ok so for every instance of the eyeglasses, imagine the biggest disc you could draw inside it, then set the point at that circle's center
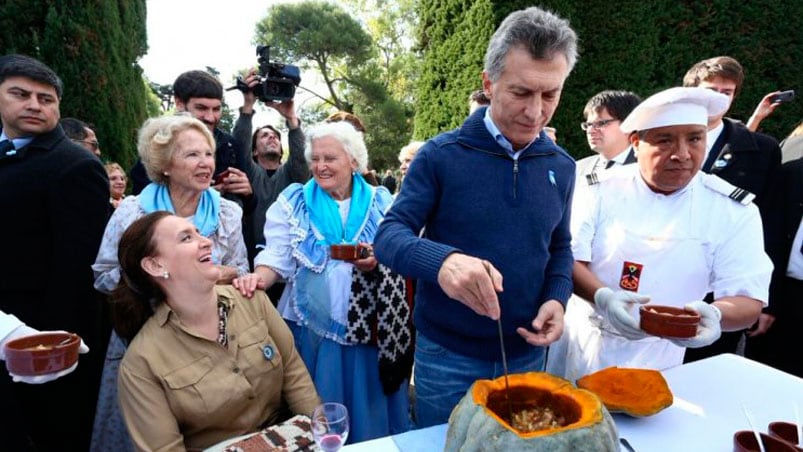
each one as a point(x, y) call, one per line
point(93, 144)
point(596, 124)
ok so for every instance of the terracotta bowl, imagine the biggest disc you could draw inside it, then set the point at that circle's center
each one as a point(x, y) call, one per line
point(786, 431)
point(349, 252)
point(42, 353)
point(745, 441)
point(668, 321)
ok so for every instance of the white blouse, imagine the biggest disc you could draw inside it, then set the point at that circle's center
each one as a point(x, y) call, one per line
point(228, 245)
point(278, 255)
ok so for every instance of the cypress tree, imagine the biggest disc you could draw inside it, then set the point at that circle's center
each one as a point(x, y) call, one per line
point(637, 46)
point(94, 47)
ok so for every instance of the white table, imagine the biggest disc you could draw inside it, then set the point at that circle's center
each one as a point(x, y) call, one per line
point(707, 410)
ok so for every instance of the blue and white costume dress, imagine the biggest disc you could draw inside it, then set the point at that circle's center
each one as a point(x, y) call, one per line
point(331, 309)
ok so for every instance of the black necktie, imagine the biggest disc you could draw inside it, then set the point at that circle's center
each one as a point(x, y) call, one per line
point(6, 146)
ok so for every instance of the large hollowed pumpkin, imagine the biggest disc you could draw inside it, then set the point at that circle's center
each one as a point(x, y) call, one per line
point(481, 421)
point(637, 392)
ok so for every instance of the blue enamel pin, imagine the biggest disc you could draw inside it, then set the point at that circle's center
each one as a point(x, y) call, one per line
point(552, 178)
point(267, 352)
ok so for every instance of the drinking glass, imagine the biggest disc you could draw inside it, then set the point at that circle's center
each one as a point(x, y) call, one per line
point(330, 426)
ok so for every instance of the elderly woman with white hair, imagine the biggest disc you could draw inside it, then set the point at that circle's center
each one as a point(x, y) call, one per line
point(349, 317)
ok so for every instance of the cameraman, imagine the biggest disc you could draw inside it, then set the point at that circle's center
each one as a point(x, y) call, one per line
point(261, 156)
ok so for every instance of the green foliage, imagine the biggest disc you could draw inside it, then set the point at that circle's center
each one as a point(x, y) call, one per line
point(637, 46)
point(387, 121)
point(94, 47)
point(164, 93)
point(226, 123)
point(316, 34)
point(454, 35)
point(385, 94)
point(368, 73)
point(153, 100)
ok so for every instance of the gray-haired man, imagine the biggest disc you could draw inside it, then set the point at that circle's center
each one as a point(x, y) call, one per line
point(494, 196)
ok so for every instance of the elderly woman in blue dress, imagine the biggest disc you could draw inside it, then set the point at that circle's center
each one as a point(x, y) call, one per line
point(179, 156)
point(350, 319)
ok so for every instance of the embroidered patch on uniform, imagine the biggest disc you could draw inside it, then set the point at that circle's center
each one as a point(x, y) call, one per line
point(631, 275)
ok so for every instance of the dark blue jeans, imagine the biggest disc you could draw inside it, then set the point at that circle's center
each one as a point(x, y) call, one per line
point(442, 377)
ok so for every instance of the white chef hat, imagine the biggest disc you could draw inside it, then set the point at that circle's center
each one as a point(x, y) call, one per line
point(676, 106)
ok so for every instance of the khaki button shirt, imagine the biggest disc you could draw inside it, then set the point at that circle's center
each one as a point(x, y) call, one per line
point(179, 390)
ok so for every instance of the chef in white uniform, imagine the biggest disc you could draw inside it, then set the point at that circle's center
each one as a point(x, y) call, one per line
point(661, 232)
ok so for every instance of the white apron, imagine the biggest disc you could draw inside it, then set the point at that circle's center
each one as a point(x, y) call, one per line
point(675, 271)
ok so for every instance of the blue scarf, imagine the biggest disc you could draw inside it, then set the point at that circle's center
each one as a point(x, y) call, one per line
point(325, 215)
point(207, 215)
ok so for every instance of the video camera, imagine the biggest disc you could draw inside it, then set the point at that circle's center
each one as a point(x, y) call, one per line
point(277, 81)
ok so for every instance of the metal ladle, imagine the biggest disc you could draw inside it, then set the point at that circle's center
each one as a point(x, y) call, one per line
point(504, 367)
point(487, 266)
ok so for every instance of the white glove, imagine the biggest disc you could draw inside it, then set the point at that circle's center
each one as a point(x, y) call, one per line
point(25, 330)
point(39, 379)
point(617, 307)
point(20, 331)
point(709, 329)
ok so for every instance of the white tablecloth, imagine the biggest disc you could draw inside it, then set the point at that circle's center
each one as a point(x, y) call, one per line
point(707, 410)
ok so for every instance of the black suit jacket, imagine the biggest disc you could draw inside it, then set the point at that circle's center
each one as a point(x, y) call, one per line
point(789, 201)
point(752, 161)
point(54, 196)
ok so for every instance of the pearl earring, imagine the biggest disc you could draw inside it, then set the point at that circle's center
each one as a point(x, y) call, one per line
point(166, 173)
point(165, 275)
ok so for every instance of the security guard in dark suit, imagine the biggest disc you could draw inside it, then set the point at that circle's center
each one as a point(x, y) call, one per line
point(54, 196)
point(748, 160)
point(787, 279)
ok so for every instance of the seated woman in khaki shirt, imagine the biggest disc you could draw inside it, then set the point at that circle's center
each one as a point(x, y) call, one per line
point(204, 364)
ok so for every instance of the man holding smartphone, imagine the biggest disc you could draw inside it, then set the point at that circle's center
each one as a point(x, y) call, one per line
point(767, 106)
point(750, 161)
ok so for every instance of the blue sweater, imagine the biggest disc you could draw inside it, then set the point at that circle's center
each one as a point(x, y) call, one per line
point(473, 198)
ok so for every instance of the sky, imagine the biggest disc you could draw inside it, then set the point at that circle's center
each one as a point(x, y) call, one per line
point(193, 34)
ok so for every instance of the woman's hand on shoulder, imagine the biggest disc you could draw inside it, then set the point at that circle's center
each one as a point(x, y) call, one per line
point(248, 283)
point(262, 278)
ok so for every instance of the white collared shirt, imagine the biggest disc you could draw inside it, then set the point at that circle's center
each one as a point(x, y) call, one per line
point(19, 142)
point(500, 139)
point(711, 138)
point(795, 267)
point(618, 159)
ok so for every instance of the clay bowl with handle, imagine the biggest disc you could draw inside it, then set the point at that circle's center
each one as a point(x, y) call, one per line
point(43, 353)
point(668, 321)
point(745, 441)
point(347, 252)
point(786, 431)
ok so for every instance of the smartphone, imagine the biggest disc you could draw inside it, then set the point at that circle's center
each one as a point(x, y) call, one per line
point(219, 178)
point(783, 96)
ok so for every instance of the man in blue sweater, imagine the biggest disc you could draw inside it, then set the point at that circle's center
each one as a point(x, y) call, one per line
point(494, 199)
